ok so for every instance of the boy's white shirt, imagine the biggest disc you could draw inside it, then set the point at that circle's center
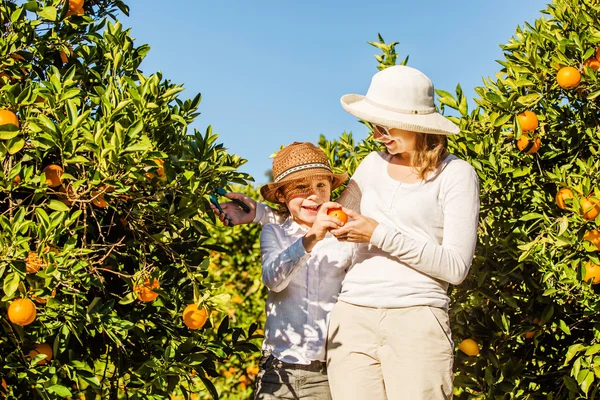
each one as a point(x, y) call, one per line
point(303, 287)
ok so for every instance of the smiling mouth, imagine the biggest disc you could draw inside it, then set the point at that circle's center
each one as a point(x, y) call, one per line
point(312, 208)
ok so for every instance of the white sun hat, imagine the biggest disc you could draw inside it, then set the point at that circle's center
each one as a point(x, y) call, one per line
point(400, 97)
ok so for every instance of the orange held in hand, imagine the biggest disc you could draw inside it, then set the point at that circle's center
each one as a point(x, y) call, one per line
point(339, 214)
point(562, 195)
point(22, 312)
point(568, 77)
point(8, 118)
point(469, 347)
point(528, 121)
point(194, 317)
point(43, 348)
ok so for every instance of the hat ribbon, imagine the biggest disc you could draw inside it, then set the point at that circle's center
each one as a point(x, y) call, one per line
point(301, 168)
point(430, 110)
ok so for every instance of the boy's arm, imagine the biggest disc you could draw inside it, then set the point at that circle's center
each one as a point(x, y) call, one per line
point(279, 264)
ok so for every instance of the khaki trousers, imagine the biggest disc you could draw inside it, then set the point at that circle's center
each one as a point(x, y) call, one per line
point(395, 353)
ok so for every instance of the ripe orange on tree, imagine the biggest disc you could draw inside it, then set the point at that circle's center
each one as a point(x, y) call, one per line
point(194, 317)
point(528, 121)
point(469, 347)
point(592, 63)
point(339, 214)
point(160, 170)
point(22, 312)
point(592, 272)
point(75, 7)
point(593, 236)
point(589, 208)
point(53, 174)
point(530, 147)
point(568, 77)
point(562, 195)
point(8, 118)
point(145, 292)
point(41, 348)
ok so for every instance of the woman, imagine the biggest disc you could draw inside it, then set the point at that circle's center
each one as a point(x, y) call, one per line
point(414, 211)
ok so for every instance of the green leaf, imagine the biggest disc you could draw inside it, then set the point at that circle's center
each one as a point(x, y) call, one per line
point(15, 145)
point(48, 13)
point(58, 205)
point(60, 390)
point(8, 134)
point(11, 284)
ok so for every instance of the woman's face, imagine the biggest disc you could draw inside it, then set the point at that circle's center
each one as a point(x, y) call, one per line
point(399, 141)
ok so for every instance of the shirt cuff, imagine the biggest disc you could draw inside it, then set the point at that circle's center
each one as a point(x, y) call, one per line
point(297, 251)
point(260, 212)
point(380, 233)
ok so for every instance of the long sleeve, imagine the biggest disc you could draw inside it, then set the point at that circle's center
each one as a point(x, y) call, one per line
point(266, 215)
point(279, 264)
point(450, 261)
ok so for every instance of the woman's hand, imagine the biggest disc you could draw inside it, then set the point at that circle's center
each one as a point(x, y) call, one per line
point(358, 230)
point(234, 211)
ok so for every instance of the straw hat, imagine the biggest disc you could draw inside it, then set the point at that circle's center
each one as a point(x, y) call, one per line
point(296, 161)
point(400, 97)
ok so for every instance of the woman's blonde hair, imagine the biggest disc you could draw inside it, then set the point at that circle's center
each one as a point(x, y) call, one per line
point(430, 151)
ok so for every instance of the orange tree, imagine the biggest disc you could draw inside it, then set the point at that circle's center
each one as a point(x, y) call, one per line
point(103, 240)
point(527, 319)
point(237, 273)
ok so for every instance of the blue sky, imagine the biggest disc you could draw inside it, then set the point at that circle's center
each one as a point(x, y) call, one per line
point(272, 72)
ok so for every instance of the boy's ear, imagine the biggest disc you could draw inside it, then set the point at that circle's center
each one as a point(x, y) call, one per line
point(279, 196)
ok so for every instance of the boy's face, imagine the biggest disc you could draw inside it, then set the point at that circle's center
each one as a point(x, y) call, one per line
point(304, 198)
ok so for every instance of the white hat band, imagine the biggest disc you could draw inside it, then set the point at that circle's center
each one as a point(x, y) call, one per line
point(301, 168)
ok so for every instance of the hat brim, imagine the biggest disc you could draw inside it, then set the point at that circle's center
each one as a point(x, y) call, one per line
point(269, 190)
point(435, 122)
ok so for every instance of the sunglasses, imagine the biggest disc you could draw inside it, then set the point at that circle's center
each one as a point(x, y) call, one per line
point(381, 130)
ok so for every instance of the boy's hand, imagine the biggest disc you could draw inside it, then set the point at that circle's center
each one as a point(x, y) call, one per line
point(235, 212)
point(321, 226)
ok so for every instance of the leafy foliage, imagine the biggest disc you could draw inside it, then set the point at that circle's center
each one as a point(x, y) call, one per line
point(128, 208)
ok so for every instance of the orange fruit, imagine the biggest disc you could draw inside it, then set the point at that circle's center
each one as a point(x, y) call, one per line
point(75, 7)
point(593, 236)
point(16, 180)
point(562, 195)
point(339, 214)
point(528, 121)
point(33, 263)
point(252, 370)
point(469, 347)
point(524, 144)
point(53, 174)
point(98, 195)
point(8, 118)
point(592, 272)
point(43, 348)
point(160, 170)
point(145, 292)
point(568, 77)
point(589, 208)
point(194, 317)
point(22, 312)
point(592, 63)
